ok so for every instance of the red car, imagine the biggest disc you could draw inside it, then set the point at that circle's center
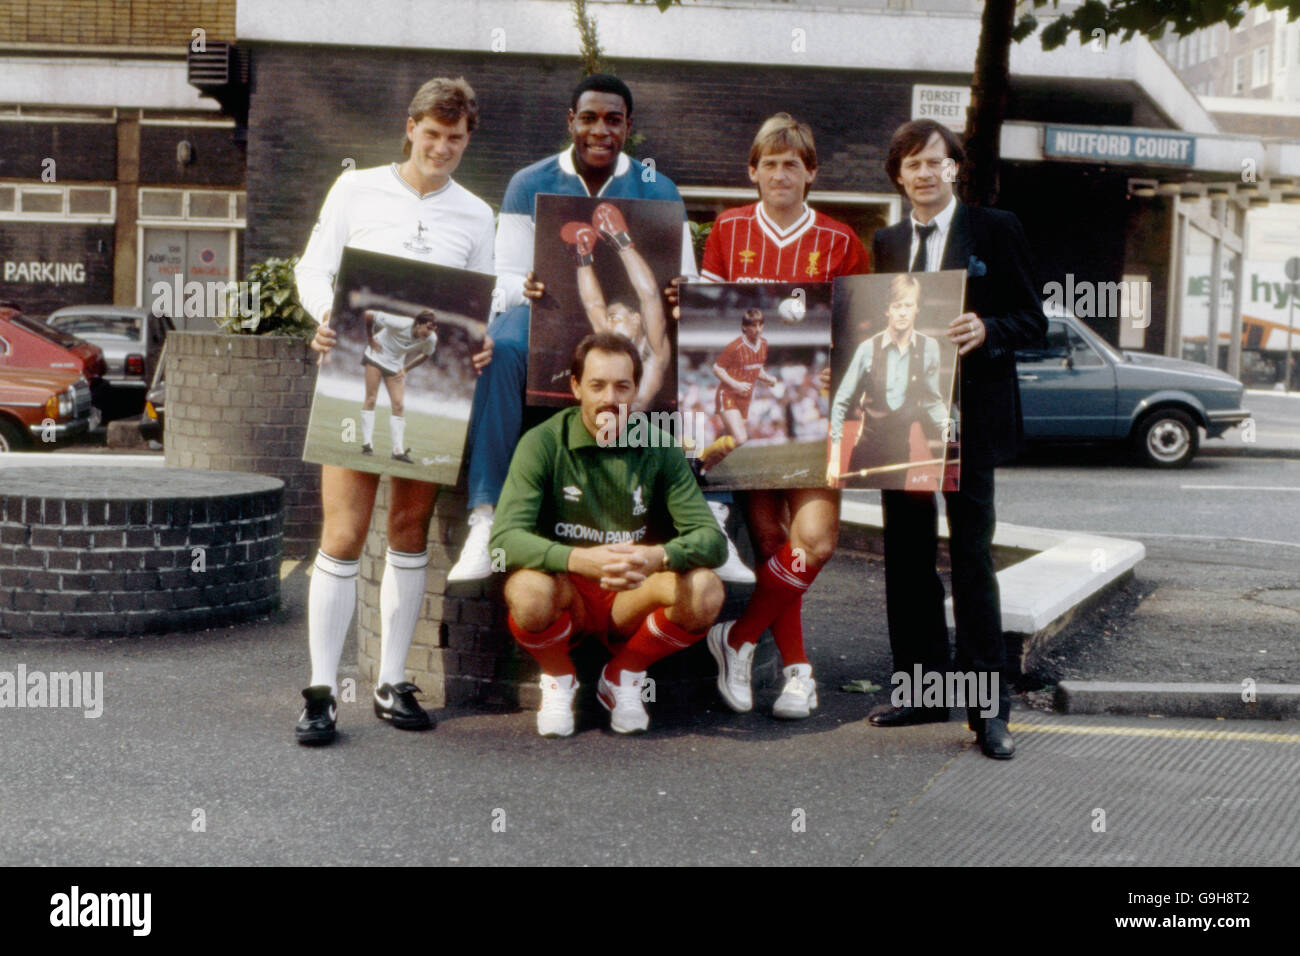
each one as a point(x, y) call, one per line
point(27, 343)
point(40, 407)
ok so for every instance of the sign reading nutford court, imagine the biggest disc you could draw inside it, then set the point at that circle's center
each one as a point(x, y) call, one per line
point(1111, 145)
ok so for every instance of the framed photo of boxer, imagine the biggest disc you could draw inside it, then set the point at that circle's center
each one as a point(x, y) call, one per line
point(894, 420)
point(605, 264)
point(750, 356)
point(394, 395)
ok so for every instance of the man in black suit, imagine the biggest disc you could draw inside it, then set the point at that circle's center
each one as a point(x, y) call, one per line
point(1004, 313)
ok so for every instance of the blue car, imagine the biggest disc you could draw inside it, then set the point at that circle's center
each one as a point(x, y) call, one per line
point(1080, 388)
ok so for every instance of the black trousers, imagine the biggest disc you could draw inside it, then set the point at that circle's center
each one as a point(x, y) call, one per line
point(918, 632)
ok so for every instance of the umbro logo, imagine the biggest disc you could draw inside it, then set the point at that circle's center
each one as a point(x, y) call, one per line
point(572, 492)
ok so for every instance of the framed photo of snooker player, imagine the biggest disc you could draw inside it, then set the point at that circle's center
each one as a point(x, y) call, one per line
point(394, 395)
point(605, 264)
point(894, 421)
point(750, 356)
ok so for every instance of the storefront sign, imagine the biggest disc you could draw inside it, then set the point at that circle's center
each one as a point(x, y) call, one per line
point(1112, 145)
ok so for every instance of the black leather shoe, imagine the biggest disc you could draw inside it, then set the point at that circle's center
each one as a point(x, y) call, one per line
point(995, 740)
point(367, 450)
point(396, 704)
point(891, 716)
point(315, 727)
point(403, 456)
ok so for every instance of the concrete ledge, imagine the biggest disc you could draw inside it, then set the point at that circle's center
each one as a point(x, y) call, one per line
point(1272, 701)
point(1067, 569)
point(45, 459)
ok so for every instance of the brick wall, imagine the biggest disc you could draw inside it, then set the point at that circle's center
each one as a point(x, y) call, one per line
point(115, 22)
point(96, 552)
point(293, 156)
point(241, 403)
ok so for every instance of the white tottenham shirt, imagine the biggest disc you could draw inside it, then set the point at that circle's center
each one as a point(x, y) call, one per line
point(394, 334)
point(377, 211)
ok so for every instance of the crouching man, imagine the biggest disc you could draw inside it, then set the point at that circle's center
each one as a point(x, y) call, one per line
point(604, 539)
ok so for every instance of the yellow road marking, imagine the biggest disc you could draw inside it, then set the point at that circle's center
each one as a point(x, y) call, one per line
point(1169, 732)
point(287, 567)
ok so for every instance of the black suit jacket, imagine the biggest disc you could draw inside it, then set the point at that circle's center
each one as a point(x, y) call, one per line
point(990, 245)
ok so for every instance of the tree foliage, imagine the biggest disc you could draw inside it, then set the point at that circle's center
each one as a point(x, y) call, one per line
point(1126, 19)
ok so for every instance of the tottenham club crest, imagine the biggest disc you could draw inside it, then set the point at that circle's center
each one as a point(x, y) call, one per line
point(638, 506)
point(416, 243)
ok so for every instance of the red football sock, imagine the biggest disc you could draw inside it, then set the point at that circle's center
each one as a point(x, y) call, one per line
point(550, 648)
point(779, 584)
point(787, 631)
point(655, 639)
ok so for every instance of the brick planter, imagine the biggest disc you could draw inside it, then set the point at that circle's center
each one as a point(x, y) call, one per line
point(92, 551)
point(463, 653)
point(241, 403)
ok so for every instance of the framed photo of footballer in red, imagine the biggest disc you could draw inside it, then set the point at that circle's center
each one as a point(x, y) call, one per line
point(894, 421)
point(750, 357)
point(605, 264)
point(394, 395)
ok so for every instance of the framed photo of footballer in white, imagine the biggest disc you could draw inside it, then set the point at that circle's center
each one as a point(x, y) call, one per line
point(750, 356)
point(395, 393)
point(894, 421)
point(605, 264)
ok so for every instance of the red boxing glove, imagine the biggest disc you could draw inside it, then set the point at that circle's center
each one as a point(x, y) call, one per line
point(581, 236)
point(609, 220)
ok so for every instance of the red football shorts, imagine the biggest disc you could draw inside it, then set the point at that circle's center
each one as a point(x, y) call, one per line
point(726, 398)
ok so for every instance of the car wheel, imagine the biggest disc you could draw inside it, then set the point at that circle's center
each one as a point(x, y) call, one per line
point(11, 437)
point(1167, 438)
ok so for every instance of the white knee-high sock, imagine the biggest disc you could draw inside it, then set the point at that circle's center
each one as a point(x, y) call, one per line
point(331, 599)
point(397, 424)
point(401, 594)
point(367, 426)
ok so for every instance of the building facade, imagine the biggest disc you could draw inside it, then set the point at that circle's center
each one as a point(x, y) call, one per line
point(115, 174)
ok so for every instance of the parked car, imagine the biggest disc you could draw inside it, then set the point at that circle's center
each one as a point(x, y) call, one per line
point(27, 343)
point(131, 340)
point(1080, 388)
point(152, 418)
point(36, 403)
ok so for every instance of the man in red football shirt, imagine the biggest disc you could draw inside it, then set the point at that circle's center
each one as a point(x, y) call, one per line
point(739, 368)
point(780, 239)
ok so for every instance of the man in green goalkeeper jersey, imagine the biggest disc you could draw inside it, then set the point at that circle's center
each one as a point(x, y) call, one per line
point(604, 539)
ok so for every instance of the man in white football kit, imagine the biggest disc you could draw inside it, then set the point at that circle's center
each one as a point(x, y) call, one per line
point(415, 210)
point(393, 340)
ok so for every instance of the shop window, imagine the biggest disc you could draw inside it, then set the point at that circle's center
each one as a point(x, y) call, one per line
point(94, 201)
point(41, 201)
point(162, 204)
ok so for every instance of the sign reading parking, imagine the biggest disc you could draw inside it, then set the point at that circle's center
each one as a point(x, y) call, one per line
point(943, 104)
point(1111, 145)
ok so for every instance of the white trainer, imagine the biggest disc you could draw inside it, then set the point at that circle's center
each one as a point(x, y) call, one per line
point(627, 714)
point(475, 562)
point(733, 571)
point(734, 668)
point(799, 695)
point(555, 716)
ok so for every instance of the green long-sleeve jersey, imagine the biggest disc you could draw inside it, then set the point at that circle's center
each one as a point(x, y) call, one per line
point(565, 491)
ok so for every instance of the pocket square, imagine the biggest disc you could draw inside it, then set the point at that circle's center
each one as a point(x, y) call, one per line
point(976, 267)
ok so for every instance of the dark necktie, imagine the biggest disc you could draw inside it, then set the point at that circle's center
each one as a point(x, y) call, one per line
point(922, 234)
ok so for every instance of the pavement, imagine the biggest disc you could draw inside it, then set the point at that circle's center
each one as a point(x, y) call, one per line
point(196, 731)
